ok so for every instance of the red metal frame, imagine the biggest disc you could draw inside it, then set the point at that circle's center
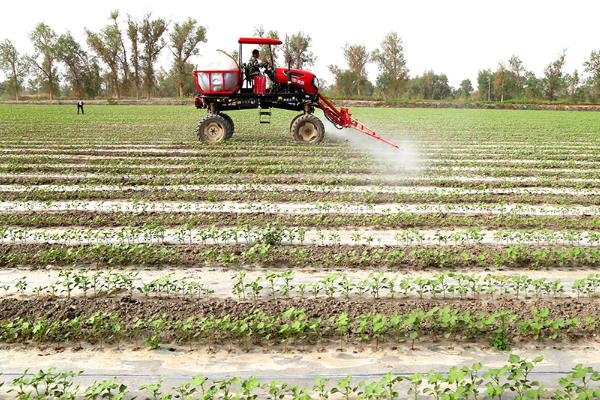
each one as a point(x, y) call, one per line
point(343, 118)
point(222, 72)
point(245, 40)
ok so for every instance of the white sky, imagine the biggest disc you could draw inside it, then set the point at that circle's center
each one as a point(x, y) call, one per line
point(457, 37)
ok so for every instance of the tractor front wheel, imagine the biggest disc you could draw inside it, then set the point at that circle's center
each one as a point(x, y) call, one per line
point(294, 120)
point(308, 129)
point(228, 118)
point(214, 128)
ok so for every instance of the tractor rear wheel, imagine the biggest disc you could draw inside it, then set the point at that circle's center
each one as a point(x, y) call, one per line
point(214, 128)
point(308, 129)
point(228, 118)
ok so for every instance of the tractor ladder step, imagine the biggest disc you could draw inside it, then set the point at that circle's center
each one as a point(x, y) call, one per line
point(264, 117)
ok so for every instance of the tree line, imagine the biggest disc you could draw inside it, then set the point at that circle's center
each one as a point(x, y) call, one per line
point(120, 60)
point(509, 81)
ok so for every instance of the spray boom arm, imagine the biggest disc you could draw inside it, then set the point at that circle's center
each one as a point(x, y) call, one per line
point(341, 118)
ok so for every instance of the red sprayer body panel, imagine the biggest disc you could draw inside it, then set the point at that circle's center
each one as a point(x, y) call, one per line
point(343, 119)
point(300, 78)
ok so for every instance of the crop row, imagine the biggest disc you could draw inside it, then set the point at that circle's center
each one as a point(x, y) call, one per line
point(559, 155)
point(281, 167)
point(430, 145)
point(500, 329)
point(483, 195)
point(266, 255)
point(165, 141)
point(394, 210)
point(274, 235)
point(315, 190)
point(324, 219)
point(443, 284)
point(174, 161)
point(513, 379)
point(102, 283)
point(303, 176)
point(285, 284)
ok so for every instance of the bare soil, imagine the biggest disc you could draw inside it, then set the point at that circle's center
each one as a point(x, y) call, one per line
point(130, 309)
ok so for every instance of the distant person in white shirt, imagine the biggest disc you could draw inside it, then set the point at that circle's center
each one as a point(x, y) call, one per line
point(80, 104)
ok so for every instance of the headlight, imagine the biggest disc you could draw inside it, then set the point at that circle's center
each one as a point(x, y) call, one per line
point(315, 82)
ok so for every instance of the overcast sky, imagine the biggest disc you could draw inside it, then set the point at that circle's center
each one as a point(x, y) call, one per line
point(457, 37)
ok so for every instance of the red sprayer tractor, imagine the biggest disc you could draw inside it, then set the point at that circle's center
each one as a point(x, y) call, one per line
point(232, 86)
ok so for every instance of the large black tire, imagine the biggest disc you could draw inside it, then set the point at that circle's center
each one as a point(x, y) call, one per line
point(214, 128)
point(308, 129)
point(294, 120)
point(228, 118)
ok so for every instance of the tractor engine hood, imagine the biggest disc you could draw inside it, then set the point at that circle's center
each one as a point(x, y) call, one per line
point(303, 79)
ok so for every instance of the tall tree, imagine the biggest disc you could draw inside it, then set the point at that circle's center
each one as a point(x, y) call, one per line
point(184, 40)
point(43, 60)
point(357, 58)
point(77, 62)
point(573, 88)
point(261, 32)
point(133, 33)
point(122, 53)
point(391, 62)
point(13, 65)
point(430, 86)
point(533, 87)
point(554, 77)
point(592, 67)
point(344, 81)
point(466, 88)
point(518, 70)
point(107, 45)
point(484, 84)
point(499, 81)
point(296, 51)
point(151, 37)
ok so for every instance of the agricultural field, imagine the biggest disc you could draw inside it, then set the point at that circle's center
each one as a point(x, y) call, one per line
point(464, 266)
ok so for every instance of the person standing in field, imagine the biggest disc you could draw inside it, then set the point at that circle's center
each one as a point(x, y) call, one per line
point(80, 104)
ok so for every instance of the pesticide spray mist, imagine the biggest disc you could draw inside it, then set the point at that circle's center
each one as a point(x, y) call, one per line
point(395, 162)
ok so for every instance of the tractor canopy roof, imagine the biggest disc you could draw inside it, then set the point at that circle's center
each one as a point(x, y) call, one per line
point(245, 40)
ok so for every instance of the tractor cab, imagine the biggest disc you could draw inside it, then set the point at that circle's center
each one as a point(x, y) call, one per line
point(257, 83)
point(231, 76)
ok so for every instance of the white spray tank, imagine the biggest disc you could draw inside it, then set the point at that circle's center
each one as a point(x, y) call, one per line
point(220, 74)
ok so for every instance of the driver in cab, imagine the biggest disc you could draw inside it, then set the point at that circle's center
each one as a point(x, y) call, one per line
point(254, 64)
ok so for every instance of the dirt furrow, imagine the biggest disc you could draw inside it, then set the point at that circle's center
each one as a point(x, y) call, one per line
point(130, 309)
